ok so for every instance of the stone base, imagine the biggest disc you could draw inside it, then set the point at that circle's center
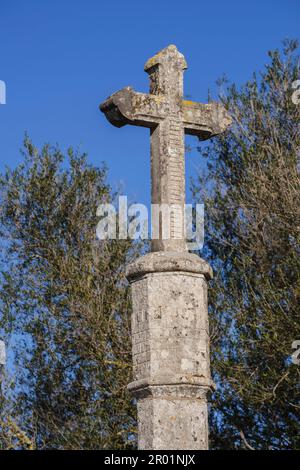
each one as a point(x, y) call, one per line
point(172, 417)
point(170, 346)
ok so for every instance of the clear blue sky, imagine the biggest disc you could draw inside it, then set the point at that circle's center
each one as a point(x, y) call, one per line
point(60, 59)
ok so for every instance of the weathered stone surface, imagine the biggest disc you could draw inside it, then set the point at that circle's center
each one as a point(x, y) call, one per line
point(170, 339)
point(168, 261)
point(170, 347)
point(172, 417)
point(169, 117)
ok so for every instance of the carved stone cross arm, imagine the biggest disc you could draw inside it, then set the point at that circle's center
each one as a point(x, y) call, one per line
point(169, 117)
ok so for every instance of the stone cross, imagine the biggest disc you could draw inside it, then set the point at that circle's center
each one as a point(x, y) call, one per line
point(169, 117)
point(170, 337)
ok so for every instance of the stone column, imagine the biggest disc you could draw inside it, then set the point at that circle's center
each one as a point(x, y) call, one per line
point(170, 347)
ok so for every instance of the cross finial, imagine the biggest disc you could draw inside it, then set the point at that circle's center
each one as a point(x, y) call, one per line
point(169, 117)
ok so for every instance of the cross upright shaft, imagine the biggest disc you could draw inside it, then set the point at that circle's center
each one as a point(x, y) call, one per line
point(169, 117)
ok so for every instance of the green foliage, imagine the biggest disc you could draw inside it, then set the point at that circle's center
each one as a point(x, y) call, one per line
point(251, 194)
point(65, 302)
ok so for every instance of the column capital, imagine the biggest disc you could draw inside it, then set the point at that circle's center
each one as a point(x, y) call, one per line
point(168, 261)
